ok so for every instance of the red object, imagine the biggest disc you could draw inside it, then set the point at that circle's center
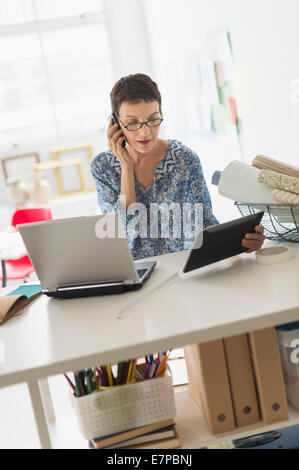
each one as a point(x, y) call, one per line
point(22, 268)
point(233, 108)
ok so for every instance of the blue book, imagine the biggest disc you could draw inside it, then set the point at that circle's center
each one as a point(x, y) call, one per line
point(27, 290)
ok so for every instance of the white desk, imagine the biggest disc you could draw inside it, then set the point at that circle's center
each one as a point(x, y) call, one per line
point(227, 298)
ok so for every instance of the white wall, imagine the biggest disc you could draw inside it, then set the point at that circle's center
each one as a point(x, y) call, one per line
point(130, 53)
point(128, 38)
point(265, 34)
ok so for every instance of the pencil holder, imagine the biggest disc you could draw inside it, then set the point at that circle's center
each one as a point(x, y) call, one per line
point(124, 407)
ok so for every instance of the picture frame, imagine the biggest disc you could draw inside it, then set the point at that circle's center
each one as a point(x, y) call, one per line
point(12, 160)
point(85, 153)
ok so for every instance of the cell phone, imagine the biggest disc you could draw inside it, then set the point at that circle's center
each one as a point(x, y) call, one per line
point(115, 121)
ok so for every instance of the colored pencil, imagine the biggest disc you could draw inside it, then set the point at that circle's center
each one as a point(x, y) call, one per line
point(109, 373)
point(133, 370)
point(125, 373)
point(100, 376)
point(70, 382)
point(77, 385)
point(161, 367)
point(90, 379)
point(83, 390)
point(105, 375)
point(129, 372)
point(86, 381)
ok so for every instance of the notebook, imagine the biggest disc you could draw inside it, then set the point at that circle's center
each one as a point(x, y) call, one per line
point(116, 438)
point(167, 432)
point(13, 303)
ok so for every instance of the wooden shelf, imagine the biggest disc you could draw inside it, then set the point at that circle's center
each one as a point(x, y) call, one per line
point(194, 432)
point(190, 422)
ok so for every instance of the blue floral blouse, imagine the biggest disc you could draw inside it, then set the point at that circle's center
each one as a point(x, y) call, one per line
point(179, 185)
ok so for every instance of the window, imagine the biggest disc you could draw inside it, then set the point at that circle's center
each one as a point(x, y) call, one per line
point(55, 69)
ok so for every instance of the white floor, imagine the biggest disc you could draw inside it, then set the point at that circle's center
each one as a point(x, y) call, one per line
point(17, 424)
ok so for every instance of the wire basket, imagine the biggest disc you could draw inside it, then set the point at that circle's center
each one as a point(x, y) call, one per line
point(280, 221)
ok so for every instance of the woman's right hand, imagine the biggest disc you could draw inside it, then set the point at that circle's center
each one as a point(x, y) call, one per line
point(115, 140)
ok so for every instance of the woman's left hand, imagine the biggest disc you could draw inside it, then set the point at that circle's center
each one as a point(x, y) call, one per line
point(254, 241)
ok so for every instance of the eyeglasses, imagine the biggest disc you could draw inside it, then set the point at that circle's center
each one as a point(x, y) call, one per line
point(136, 125)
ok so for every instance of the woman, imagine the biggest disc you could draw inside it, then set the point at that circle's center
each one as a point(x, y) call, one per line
point(152, 177)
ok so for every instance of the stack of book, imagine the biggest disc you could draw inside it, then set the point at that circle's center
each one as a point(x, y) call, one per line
point(238, 381)
point(162, 435)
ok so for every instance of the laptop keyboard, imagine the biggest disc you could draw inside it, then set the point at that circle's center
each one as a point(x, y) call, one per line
point(140, 272)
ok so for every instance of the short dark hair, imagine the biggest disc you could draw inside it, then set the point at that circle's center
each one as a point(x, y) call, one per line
point(134, 88)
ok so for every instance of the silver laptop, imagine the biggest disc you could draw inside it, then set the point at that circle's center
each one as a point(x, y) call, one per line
point(83, 256)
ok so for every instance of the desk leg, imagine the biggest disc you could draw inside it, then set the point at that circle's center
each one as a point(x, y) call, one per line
point(40, 418)
point(47, 399)
point(3, 264)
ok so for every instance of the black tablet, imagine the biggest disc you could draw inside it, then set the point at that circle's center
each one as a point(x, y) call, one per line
point(221, 241)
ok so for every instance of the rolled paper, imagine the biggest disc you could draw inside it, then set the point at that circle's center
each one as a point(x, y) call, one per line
point(239, 182)
point(279, 181)
point(285, 197)
point(261, 161)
